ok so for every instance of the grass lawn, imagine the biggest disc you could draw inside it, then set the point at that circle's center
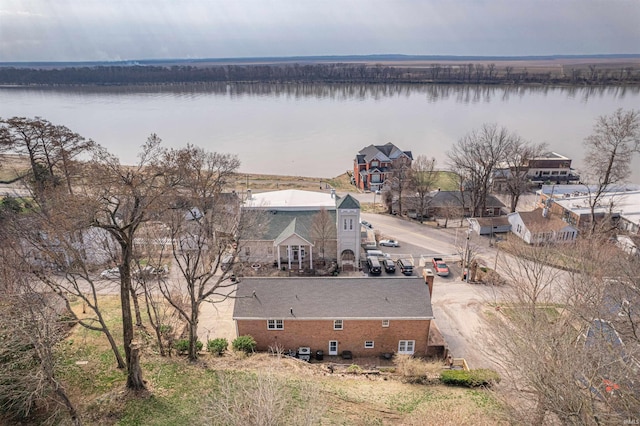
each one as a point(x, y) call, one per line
point(181, 392)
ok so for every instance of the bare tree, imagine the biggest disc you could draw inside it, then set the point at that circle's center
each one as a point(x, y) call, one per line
point(205, 227)
point(423, 178)
point(517, 156)
point(560, 340)
point(323, 229)
point(475, 157)
point(31, 325)
point(400, 181)
point(121, 199)
point(58, 247)
point(51, 150)
point(152, 257)
point(609, 148)
point(264, 399)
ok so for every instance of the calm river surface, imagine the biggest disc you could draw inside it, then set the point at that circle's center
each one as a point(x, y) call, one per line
point(316, 130)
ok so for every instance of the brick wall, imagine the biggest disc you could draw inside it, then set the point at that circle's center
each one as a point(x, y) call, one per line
point(318, 333)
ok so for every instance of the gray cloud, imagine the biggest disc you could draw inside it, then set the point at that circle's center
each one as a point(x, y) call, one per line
point(66, 30)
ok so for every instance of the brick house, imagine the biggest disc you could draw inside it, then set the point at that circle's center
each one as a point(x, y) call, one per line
point(376, 163)
point(367, 316)
point(549, 167)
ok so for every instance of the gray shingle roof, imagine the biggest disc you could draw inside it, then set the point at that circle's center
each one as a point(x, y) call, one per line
point(333, 298)
point(276, 222)
point(388, 150)
point(348, 202)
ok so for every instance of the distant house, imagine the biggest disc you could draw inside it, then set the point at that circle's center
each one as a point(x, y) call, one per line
point(536, 227)
point(489, 225)
point(448, 204)
point(550, 167)
point(375, 164)
point(93, 246)
point(367, 316)
point(286, 235)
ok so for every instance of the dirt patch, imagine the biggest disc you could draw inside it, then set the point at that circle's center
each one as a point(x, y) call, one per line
point(13, 166)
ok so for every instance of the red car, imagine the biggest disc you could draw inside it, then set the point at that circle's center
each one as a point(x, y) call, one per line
point(440, 267)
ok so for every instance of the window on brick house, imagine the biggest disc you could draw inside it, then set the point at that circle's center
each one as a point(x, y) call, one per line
point(368, 344)
point(275, 324)
point(406, 347)
point(337, 324)
point(385, 323)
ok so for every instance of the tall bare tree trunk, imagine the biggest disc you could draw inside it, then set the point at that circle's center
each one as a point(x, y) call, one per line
point(134, 372)
point(136, 307)
point(193, 331)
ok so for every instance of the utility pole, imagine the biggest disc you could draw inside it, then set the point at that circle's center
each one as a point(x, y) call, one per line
point(467, 256)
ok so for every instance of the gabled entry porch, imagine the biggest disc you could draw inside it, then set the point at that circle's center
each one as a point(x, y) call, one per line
point(293, 251)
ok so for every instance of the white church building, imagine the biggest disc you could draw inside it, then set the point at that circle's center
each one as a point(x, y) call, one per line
point(301, 229)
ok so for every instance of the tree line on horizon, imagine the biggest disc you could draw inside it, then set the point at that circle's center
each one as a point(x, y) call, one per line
point(463, 73)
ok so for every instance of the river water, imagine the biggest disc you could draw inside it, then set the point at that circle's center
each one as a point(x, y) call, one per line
point(317, 129)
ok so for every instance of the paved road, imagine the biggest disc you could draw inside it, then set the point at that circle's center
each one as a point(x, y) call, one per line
point(458, 306)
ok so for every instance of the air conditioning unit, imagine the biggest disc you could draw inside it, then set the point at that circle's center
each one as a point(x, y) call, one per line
point(304, 353)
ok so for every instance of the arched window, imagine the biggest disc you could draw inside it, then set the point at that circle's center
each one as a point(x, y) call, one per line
point(348, 255)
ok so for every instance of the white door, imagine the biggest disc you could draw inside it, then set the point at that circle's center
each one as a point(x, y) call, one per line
point(333, 347)
point(406, 347)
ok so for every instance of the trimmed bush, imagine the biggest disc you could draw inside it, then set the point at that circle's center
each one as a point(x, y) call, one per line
point(217, 346)
point(354, 369)
point(245, 344)
point(471, 378)
point(182, 345)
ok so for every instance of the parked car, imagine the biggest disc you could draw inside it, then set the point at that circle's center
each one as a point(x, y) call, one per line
point(440, 267)
point(406, 266)
point(366, 224)
point(110, 273)
point(389, 266)
point(377, 253)
point(374, 265)
point(389, 243)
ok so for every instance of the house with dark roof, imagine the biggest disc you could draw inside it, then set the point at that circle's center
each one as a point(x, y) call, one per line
point(449, 204)
point(375, 164)
point(539, 226)
point(291, 234)
point(366, 316)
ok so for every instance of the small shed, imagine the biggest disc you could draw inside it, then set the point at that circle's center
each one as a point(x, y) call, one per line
point(490, 225)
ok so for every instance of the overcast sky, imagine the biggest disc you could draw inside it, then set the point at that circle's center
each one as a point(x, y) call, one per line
point(84, 30)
